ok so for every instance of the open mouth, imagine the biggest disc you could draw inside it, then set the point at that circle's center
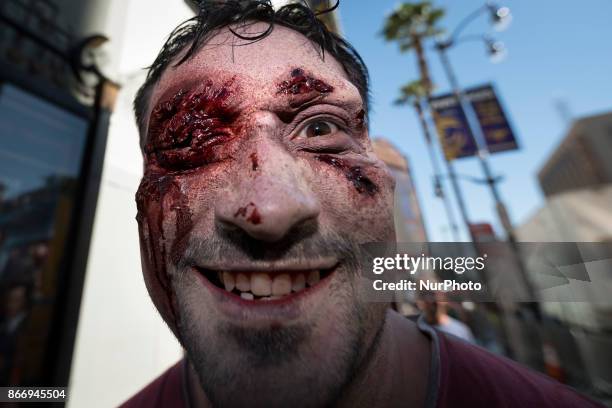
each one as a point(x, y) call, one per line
point(266, 286)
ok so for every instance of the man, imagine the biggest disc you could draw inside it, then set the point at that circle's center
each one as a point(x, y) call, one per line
point(435, 314)
point(260, 184)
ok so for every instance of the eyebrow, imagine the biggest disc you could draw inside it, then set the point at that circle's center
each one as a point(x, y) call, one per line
point(302, 90)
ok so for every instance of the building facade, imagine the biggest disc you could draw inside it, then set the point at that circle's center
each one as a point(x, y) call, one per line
point(577, 183)
point(582, 160)
point(409, 224)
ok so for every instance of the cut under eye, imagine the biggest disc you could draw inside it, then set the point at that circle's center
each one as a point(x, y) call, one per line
point(319, 128)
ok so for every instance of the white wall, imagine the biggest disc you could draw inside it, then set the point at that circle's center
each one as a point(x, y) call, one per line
point(122, 343)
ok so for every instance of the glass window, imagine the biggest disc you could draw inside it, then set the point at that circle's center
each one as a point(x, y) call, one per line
point(41, 151)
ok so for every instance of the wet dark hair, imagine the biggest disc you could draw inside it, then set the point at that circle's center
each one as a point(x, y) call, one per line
point(213, 15)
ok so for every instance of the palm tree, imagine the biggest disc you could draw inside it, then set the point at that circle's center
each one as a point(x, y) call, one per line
point(410, 24)
point(413, 94)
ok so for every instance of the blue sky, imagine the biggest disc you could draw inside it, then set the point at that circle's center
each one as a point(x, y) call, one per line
point(556, 51)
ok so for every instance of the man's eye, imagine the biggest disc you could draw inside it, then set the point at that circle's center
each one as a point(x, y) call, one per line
point(319, 128)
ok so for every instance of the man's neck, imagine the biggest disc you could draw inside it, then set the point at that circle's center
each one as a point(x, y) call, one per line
point(396, 374)
point(196, 398)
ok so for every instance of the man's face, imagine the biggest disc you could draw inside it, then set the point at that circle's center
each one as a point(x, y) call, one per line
point(259, 184)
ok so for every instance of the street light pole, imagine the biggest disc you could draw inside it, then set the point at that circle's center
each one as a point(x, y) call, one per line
point(480, 140)
point(482, 155)
point(452, 175)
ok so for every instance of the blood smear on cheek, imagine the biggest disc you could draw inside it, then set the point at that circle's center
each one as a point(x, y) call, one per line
point(354, 174)
point(150, 197)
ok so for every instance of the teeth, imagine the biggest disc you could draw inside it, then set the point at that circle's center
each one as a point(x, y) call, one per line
point(228, 281)
point(261, 284)
point(265, 286)
point(281, 285)
point(247, 296)
point(243, 283)
point(313, 278)
point(299, 282)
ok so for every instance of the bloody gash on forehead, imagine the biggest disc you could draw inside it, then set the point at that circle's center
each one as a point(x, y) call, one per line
point(300, 83)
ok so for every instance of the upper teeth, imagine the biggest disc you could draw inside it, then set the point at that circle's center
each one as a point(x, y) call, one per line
point(266, 285)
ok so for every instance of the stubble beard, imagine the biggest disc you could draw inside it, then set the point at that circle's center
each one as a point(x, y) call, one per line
point(301, 365)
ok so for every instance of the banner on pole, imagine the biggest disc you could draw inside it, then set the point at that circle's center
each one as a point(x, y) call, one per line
point(456, 139)
point(493, 121)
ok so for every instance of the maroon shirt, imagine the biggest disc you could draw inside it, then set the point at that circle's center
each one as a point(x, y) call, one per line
point(462, 375)
point(471, 376)
point(167, 390)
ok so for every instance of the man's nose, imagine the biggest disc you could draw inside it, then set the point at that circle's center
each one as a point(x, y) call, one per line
point(271, 196)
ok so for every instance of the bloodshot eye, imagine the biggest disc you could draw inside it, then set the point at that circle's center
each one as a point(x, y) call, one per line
point(319, 128)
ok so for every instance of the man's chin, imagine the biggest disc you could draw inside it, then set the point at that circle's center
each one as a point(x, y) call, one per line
point(276, 355)
point(275, 367)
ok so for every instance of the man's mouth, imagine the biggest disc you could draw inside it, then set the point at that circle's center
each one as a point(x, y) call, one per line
point(266, 286)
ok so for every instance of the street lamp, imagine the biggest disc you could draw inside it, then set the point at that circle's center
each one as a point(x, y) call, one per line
point(495, 50)
point(500, 16)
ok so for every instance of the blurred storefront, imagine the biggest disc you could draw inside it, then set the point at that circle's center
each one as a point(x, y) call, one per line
point(54, 115)
point(577, 182)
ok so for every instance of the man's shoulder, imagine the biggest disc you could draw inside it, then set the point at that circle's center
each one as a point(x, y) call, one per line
point(473, 376)
point(165, 391)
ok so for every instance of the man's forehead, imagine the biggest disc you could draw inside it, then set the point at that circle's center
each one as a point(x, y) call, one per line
point(256, 66)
